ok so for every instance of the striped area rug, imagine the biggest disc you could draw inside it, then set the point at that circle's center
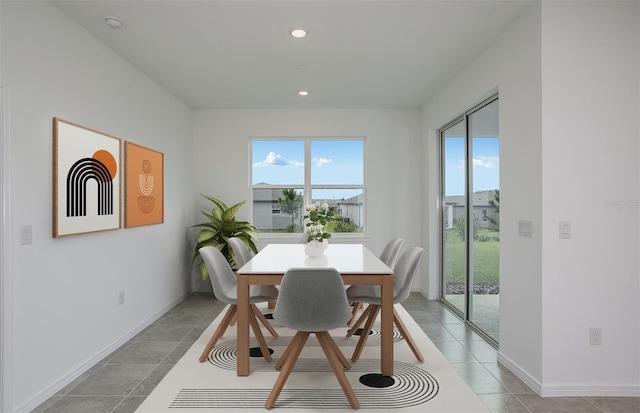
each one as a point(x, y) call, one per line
point(213, 386)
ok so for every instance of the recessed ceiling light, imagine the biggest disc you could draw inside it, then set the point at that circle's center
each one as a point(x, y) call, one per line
point(302, 68)
point(298, 32)
point(113, 22)
point(303, 93)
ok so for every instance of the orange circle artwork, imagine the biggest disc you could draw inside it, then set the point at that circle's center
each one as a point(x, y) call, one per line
point(108, 160)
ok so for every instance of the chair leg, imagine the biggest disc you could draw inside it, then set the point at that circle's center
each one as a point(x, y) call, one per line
point(356, 307)
point(293, 354)
point(407, 337)
point(264, 321)
point(332, 356)
point(343, 360)
point(287, 351)
point(365, 331)
point(226, 320)
point(363, 316)
point(259, 337)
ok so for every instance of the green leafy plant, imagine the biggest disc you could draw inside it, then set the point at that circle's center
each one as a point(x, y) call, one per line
point(221, 226)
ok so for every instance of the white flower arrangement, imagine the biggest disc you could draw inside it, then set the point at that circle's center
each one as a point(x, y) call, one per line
point(316, 218)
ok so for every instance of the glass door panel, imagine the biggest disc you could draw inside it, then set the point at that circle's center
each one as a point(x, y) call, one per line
point(484, 258)
point(454, 251)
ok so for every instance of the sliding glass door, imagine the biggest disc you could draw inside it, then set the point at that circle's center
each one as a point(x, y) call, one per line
point(454, 213)
point(470, 234)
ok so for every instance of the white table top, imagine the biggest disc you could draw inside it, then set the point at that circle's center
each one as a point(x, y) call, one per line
point(346, 258)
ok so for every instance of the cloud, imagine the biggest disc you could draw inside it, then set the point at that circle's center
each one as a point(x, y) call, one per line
point(274, 159)
point(321, 162)
point(488, 162)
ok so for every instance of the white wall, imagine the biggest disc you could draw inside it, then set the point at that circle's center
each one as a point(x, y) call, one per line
point(511, 65)
point(567, 74)
point(65, 315)
point(221, 149)
point(590, 106)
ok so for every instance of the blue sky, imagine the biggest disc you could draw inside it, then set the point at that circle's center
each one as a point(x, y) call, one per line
point(486, 165)
point(281, 162)
point(332, 162)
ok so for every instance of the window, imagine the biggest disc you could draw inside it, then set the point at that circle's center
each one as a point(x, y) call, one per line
point(289, 173)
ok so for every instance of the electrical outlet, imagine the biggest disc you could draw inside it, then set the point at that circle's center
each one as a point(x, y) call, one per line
point(121, 298)
point(595, 336)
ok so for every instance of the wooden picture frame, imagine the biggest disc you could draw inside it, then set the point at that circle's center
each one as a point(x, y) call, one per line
point(86, 180)
point(144, 186)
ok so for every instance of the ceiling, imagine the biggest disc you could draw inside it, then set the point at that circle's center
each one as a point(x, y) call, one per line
point(214, 54)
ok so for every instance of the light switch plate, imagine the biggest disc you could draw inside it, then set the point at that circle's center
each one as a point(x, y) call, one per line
point(525, 229)
point(26, 235)
point(564, 229)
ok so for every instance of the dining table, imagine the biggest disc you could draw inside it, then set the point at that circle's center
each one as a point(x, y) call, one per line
point(357, 266)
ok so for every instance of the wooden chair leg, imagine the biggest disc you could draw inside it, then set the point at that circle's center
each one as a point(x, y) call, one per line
point(343, 360)
point(260, 338)
point(365, 331)
point(264, 321)
point(363, 316)
point(407, 337)
point(356, 307)
point(226, 320)
point(332, 356)
point(287, 351)
point(294, 353)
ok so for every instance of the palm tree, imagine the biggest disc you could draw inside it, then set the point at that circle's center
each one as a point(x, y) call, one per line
point(292, 203)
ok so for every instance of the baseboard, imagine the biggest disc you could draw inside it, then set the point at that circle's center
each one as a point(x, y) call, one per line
point(428, 295)
point(74, 374)
point(572, 389)
point(581, 389)
point(522, 374)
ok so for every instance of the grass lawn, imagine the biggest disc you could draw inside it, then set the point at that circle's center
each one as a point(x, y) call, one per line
point(486, 260)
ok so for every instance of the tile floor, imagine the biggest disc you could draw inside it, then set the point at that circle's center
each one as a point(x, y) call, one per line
point(120, 382)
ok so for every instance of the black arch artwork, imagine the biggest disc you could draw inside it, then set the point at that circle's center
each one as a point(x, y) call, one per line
point(79, 174)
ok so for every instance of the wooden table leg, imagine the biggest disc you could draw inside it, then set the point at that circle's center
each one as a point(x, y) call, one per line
point(243, 326)
point(386, 347)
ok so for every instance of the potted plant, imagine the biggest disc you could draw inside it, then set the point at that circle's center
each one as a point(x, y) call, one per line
point(221, 226)
point(316, 218)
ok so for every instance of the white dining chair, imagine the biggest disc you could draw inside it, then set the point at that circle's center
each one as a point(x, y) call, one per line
point(403, 273)
point(389, 255)
point(302, 306)
point(224, 285)
point(241, 252)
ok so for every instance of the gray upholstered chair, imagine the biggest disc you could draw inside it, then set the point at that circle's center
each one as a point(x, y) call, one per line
point(403, 274)
point(224, 285)
point(241, 252)
point(303, 306)
point(389, 256)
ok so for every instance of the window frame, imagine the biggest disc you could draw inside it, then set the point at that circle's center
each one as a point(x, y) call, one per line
point(307, 187)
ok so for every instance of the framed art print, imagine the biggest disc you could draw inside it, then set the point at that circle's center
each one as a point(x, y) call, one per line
point(144, 186)
point(86, 180)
